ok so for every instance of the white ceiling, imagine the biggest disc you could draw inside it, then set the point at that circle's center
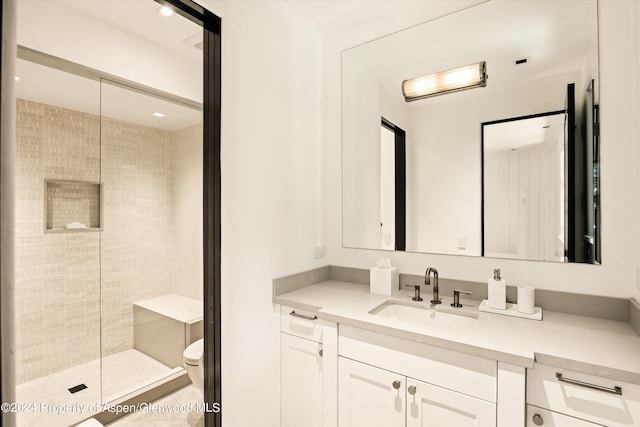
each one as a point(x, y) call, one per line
point(525, 133)
point(134, 19)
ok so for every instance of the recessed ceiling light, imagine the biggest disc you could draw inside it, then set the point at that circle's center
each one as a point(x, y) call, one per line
point(17, 78)
point(166, 11)
point(158, 114)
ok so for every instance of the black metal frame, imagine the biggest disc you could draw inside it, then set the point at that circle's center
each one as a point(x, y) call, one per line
point(494, 122)
point(211, 202)
point(400, 182)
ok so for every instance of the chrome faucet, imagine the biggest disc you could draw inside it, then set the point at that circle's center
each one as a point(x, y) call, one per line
point(427, 282)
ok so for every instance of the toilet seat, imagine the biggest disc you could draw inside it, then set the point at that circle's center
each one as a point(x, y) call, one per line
point(193, 353)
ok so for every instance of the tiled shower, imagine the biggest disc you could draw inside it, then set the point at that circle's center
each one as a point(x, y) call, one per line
point(98, 231)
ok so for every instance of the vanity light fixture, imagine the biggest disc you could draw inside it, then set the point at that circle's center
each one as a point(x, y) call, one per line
point(158, 114)
point(454, 80)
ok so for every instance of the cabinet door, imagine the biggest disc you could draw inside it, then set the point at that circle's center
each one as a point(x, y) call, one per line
point(432, 406)
point(369, 396)
point(301, 382)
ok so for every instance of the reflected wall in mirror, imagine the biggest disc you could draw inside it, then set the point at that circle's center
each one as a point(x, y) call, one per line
point(524, 188)
point(533, 51)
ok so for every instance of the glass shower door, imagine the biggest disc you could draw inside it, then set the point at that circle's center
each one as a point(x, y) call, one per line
point(152, 237)
point(57, 245)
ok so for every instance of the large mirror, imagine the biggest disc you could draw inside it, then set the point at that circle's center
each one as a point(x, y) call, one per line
point(430, 175)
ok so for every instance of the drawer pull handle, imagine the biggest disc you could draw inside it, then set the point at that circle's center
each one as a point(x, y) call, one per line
point(614, 390)
point(302, 316)
point(396, 384)
point(537, 420)
point(412, 390)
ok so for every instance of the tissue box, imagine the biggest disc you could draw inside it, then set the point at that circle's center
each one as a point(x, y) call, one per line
point(385, 281)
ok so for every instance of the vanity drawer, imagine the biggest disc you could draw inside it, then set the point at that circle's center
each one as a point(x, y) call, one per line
point(542, 417)
point(465, 373)
point(301, 323)
point(584, 396)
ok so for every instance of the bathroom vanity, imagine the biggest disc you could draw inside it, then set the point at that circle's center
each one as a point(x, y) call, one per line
point(352, 358)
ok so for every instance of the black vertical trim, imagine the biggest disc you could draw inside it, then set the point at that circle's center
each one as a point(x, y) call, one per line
point(401, 189)
point(400, 183)
point(570, 176)
point(212, 219)
point(211, 202)
point(597, 181)
point(482, 125)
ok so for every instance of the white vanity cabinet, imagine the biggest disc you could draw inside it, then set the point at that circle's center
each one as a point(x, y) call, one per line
point(432, 406)
point(301, 382)
point(370, 396)
point(374, 397)
point(308, 375)
point(389, 381)
point(561, 397)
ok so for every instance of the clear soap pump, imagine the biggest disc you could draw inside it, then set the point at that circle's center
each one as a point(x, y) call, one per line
point(497, 291)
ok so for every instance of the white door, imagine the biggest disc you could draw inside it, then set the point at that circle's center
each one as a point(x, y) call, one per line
point(432, 406)
point(301, 382)
point(369, 396)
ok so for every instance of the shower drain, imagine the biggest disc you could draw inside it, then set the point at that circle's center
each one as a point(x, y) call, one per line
point(77, 388)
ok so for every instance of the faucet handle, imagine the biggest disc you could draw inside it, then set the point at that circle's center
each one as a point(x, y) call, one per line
point(456, 297)
point(416, 295)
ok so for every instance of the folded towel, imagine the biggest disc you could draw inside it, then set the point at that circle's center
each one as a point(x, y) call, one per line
point(74, 225)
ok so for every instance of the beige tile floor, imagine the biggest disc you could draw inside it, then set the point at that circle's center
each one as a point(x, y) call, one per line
point(177, 409)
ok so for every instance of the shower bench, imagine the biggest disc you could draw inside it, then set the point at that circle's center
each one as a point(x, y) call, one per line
point(164, 326)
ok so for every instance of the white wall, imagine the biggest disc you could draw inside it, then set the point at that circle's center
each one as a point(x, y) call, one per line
point(270, 184)
point(188, 273)
point(618, 70)
point(523, 198)
point(362, 184)
point(444, 161)
point(365, 101)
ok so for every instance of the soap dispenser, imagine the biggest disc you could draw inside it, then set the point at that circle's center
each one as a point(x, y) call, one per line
point(497, 291)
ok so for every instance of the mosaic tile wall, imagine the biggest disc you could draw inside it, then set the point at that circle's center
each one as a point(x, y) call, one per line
point(59, 274)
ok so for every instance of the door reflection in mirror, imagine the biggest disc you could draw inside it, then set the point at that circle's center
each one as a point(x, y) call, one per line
point(523, 174)
point(392, 186)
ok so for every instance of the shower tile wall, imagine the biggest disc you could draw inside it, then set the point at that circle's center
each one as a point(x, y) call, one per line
point(137, 230)
point(58, 275)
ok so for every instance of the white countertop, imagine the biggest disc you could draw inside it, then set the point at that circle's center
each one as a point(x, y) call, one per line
point(590, 345)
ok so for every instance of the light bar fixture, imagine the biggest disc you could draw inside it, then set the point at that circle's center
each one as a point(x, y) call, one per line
point(454, 80)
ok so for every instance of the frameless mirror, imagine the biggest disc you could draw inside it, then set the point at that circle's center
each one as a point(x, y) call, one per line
point(439, 196)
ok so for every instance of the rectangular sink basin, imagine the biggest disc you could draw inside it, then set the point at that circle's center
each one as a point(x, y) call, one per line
point(423, 313)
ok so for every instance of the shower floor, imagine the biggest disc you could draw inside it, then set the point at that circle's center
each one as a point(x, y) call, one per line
point(51, 404)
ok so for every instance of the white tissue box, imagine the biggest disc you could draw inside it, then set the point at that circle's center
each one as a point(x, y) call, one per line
point(385, 281)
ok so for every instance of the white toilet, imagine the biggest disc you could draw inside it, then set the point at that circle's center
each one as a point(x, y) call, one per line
point(194, 364)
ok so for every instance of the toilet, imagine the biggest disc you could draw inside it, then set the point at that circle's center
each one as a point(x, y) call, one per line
point(194, 364)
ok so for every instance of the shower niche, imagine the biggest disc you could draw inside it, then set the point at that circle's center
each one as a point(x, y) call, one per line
point(72, 206)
